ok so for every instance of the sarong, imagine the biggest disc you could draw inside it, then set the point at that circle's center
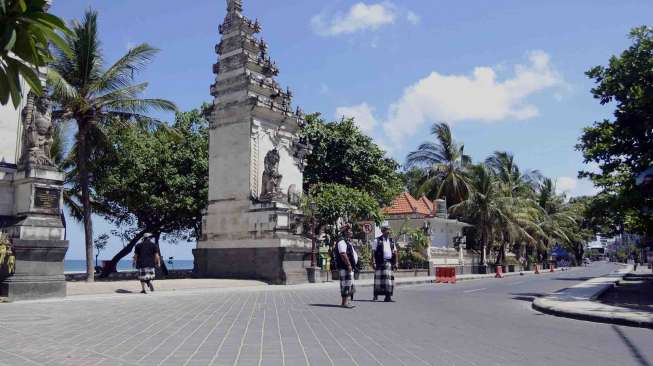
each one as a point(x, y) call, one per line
point(384, 280)
point(347, 287)
point(146, 274)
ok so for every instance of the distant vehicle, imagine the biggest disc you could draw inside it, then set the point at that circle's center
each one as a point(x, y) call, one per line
point(587, 261)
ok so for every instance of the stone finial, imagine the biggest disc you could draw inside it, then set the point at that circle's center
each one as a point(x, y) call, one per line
point(234, 6)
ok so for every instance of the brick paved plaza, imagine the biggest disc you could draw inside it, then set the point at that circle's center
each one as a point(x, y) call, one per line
point(481, 322)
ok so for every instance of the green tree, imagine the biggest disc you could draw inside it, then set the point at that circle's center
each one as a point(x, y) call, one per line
point(26, 30)
point(514, 182)
point(331, 203)
point(342, 154)
point(100, 243)
point(623, 147)
point(444, 162)
point(91, 95)
point(154, 179)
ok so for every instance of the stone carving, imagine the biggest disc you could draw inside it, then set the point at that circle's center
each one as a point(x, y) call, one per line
point(271, 183)
point(294, 195)
point(301, 149)
point(37, 132)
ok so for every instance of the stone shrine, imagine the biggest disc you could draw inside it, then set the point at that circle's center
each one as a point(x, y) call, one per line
point(31, 209)
point(252, 227)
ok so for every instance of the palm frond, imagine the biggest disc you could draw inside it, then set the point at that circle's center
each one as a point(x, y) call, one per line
point(140, 105)
point(122, 72)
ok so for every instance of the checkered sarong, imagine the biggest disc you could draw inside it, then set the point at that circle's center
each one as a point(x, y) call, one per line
point(347, 287)
point(146, 274)
point(384, 280)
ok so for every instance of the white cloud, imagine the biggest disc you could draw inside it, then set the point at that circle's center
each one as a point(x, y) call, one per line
point(480, 96)
point(413, 18)
point(363, 115)
point(574, 187)
point(566, 184)
point(359, 17)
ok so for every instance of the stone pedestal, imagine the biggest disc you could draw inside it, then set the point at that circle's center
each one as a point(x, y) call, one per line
point(39, 270)
point(275, 265)
point(37, 236)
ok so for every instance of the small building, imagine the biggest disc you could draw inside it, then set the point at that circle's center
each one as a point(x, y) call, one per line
point(407, 212)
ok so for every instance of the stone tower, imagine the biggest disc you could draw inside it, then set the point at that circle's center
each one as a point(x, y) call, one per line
point(252, 225)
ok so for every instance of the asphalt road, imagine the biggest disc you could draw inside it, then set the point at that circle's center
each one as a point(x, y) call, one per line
point(481, 322)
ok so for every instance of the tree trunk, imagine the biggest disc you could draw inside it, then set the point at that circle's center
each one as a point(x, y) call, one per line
point(86, 198)
point(109, 269)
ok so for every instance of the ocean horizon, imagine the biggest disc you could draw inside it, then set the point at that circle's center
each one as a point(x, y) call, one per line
point(79, 265)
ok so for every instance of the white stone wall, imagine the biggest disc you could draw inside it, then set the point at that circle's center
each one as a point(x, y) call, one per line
point(10, 130)
point(229, 155)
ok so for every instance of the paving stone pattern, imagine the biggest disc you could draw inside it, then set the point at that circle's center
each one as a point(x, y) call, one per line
point(483, 322)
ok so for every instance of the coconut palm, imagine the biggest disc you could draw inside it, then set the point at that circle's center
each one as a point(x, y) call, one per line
point(444, 162)
point(484, 206)
point(515, 182)
point(91, 95)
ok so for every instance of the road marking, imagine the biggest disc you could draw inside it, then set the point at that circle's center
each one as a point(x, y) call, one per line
point(475, 290)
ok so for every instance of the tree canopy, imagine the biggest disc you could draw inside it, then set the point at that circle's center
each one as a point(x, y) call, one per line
point(622, 147)
point(155, 180)
point(343, 155)
point(26, 31)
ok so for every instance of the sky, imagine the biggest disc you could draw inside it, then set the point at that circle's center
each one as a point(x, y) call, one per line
point(505, 74)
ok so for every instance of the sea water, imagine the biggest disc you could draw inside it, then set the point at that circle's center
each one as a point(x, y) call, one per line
point(79, 265)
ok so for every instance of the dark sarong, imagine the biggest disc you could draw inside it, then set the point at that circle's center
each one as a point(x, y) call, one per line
point(347, 287)
point(384, 280)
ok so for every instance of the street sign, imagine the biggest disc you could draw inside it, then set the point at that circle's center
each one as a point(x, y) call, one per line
point(368, 228)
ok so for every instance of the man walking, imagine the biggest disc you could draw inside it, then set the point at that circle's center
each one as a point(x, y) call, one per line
point(384, 261)
point(146, 258)
point(346, 259)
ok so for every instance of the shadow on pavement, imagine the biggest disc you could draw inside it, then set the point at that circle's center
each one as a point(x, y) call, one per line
point(325, 305)
point(641, 360)
point(524, 298)
point(528, 294)
point(121, 291)
point(573, 278)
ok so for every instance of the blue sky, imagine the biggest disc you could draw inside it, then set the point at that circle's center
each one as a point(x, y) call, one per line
point(506, 74)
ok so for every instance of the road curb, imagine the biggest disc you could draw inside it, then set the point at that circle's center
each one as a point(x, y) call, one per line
point(420, 281)
point(569, 305)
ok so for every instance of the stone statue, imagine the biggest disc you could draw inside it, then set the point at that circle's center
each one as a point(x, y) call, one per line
point(271, 177)
point(294, 195)
point(37, 132)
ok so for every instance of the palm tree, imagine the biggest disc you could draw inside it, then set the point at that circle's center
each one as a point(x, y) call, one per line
point(87, 93)
point(514, 181)
point(520, 187)
point(444, 162)
point(27, 31)
point(483, 206)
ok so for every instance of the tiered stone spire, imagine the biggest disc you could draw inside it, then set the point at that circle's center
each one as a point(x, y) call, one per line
point(245, 72)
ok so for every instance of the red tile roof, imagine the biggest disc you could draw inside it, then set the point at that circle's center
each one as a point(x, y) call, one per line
point(405, 204)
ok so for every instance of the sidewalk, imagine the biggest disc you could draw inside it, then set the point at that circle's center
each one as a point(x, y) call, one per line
point(580, 302)
point(133, 286)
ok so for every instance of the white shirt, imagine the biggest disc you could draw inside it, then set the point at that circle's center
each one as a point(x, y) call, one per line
point(387, 248)
point(342, 248)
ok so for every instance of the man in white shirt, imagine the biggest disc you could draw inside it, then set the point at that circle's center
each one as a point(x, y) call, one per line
point(385, 260)
point(346, 261)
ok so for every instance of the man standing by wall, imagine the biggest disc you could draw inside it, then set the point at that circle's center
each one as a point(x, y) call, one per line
point(346, 258)
point(384, 261)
